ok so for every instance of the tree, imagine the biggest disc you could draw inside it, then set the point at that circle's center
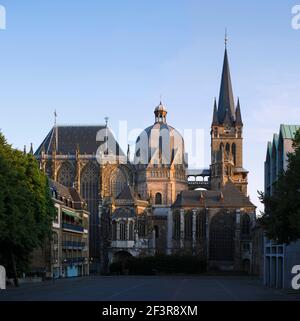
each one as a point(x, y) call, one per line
point(26, 208)
point(281, 219)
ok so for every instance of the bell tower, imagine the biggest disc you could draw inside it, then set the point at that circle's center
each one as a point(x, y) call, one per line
point(227, 137)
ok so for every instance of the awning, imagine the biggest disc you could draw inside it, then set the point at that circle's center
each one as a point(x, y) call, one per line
point(69, 213)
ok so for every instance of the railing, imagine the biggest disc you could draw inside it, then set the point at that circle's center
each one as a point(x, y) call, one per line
point(74, 244)
point(74, 260)
point(204, 183)
point(73, 227)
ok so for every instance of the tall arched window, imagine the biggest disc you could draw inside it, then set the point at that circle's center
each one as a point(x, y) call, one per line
point(233, 148)
point(118, 182)
point(200, 226)
point(227, 149)
point(245, 222)
point(188, 224)
point(131, 231)
point(89, 189)
point(66, 175)
point(176, 226)
point(158, 199)
point(221, 237)
point(141, 227)
point(123, 231)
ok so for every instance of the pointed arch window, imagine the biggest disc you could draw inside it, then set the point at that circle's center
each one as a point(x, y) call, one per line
point(233, 148)
point(188, 224)
point(118, 182)
point(227, 149)
point(89, 190)
point(123, 231)
point(66, 175)
point(131, 231)
point(176, 226)
point(245, 229)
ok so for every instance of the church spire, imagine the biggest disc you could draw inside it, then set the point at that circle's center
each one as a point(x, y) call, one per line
point(238, 114)
point(226, 101)
point(215, 115)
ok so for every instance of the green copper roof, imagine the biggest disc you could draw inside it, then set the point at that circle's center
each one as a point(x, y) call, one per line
point(275, 140)
point(289, 131)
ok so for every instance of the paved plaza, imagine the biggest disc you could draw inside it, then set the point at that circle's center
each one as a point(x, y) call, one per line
point(149, 288)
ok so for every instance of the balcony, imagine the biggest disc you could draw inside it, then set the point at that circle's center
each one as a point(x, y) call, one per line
point(73, 227)
point(75, 260)
point(74, 245)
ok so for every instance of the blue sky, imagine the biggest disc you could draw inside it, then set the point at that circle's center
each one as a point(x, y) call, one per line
point(90, 59)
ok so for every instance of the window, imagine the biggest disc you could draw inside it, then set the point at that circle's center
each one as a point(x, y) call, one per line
point(66, 175)
point(123, 231)
point(118, 182)
point(141, 228)
point(158, 199)
point(188, 226)
point(89, 189)
point(234, 153)
point(245, 222)
point(176, 226)
point(114, 230)
point(200, 226)
point(222, 233)
point(227, 149)
point(131, 231)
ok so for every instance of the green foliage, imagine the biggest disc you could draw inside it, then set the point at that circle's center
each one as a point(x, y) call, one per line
point(26, 207)
point(281, 219)
point(160, 264)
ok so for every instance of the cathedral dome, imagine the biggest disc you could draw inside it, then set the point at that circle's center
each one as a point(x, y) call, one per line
point(160, 143)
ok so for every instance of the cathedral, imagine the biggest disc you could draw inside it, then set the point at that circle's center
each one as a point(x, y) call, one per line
point(154, 204)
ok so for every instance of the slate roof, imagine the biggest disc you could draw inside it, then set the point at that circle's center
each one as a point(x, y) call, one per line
point(67, 193)
point(123, 212)
point(226, 100)
point(73, 136)
point(126, 194)
point(228, 196)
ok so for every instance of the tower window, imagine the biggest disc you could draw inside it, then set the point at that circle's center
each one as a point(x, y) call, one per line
point(227, 149)
point(234, 153)
point(158, 199)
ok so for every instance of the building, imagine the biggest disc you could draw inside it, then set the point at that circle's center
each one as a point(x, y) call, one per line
point(279, 259)
point(152, 205)
point(68, 155)
point(67, 255)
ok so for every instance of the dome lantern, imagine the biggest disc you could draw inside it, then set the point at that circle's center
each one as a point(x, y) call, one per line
point(160, 114)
